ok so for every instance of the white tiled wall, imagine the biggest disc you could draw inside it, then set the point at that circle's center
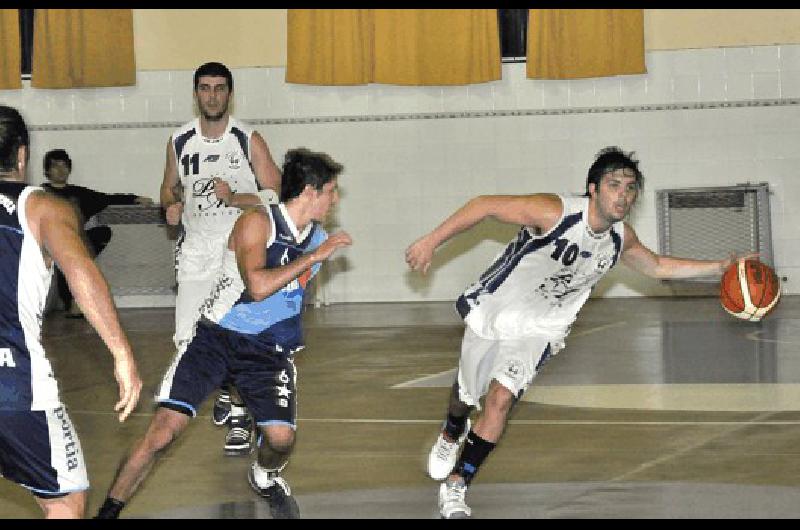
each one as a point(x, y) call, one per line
point(404, 176)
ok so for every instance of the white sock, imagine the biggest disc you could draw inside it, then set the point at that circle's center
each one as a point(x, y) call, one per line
point(238, 409)
point(262, 476)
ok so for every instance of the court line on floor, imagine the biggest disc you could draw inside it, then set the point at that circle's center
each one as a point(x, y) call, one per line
point(598, 328)
point(424, 378)
point(511, 422)
point(566, 422)
point(691, 447)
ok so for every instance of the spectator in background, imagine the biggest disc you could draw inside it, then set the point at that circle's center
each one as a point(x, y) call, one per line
point(88, 202)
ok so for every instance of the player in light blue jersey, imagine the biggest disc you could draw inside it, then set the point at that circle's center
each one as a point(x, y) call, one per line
point(249, 331)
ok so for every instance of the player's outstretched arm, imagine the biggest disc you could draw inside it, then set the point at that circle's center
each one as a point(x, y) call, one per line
point(641, 259)
point(57, 228)
point(249, 239)
point(539, 210)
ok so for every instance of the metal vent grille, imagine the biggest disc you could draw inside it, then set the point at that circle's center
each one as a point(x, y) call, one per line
point(132, 215)
point(708, 199)
point(139, 262)
point(710, 223)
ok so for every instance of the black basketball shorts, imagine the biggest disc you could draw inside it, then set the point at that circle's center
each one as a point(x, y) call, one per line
point(265, 379)
point(40, 450)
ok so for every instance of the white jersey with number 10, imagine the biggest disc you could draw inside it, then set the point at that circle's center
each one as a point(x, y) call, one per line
point(537, 285)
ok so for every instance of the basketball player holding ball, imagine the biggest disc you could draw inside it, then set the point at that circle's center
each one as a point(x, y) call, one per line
point(520, 310)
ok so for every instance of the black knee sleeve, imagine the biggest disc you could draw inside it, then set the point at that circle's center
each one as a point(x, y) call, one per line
point(454, 426)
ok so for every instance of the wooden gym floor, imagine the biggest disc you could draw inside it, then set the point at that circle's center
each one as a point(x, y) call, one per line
point(656, 408)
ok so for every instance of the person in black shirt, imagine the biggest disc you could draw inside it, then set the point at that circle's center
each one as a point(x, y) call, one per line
point(88, 202)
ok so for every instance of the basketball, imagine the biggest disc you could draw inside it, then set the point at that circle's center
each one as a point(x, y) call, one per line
point(749, 290)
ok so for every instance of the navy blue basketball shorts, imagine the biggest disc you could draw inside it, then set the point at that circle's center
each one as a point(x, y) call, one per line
point(265, 379)
point(39, 450)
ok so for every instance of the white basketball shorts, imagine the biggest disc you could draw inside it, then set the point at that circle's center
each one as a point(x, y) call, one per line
point(513, 363)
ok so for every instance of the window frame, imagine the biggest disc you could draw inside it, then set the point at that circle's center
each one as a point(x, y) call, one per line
point(513, 27)
point(26, 42)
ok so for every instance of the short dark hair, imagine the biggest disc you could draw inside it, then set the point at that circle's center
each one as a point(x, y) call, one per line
point(13, 134)
point(611, 159)
point(56, 154)
point(302, 168)
point(213, 69)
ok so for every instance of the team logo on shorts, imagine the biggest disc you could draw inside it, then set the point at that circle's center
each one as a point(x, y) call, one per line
point(283, 391)
point(70, 441)
point(514, 370)
point(234, 161)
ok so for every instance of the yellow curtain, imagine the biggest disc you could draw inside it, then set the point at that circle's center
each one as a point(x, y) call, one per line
point(83, 48)
point(10, 67)
point(329, 46)
point(575, 43)
point(393, 46)
point(436, 46)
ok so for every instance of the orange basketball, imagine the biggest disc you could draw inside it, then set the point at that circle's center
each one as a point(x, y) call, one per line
point(749, 289)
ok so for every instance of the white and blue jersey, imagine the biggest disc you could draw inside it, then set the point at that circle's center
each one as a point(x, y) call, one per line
point(276, 320)
point(250, 343)
point(200, 160)
point(39, 448)
point(537, 285)
point(26, 376)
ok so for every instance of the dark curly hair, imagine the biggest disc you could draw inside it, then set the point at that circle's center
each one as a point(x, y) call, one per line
point(610, 159)
point(213, 70)
point(302, 168)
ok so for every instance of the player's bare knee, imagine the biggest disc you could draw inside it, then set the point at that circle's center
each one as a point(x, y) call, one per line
point(279, 439)
point(71, 506)
point(164, 429)
point(163, 437)
point(499, 399)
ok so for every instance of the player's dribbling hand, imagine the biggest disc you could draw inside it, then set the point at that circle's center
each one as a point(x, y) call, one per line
point(419, 255)
point(329, 246)
point(173, 213)
point(130, 385)
point(735, 258)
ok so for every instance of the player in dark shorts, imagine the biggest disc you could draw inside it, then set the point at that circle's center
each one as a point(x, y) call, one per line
point(39, 448)
point(249, 331)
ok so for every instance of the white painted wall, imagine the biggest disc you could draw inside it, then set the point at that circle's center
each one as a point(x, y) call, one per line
point(403, 176)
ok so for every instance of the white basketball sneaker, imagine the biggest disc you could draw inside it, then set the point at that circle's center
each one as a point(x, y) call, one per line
point(444, 454)
point(451, 500)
